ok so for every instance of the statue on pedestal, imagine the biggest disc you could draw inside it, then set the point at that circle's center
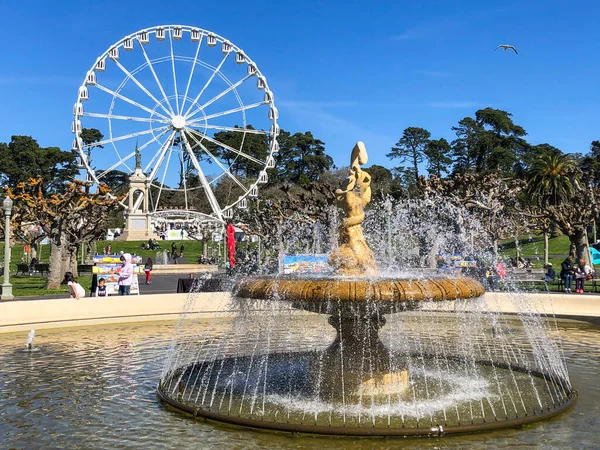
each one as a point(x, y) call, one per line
point(138, 158)
point(353, 257)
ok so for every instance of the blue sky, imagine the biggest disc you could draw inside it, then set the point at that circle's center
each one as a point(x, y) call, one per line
point(345, 70)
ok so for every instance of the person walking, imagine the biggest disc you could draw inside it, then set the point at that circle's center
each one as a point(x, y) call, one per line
point(181, 248)
point(125, 275)
point(148, 269)
point(567, 272)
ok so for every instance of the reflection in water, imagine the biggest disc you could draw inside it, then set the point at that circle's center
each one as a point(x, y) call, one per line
point(95, 388)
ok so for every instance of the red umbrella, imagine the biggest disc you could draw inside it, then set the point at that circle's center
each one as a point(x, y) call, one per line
point(231, 244)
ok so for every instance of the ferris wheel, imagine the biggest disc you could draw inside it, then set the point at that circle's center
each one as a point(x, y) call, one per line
point(185, 108)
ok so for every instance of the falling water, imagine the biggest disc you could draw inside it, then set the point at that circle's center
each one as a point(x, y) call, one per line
point(444, 367)
point(162, 257)
point(30, 338)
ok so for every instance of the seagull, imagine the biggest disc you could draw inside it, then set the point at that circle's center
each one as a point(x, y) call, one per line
point(506, 47)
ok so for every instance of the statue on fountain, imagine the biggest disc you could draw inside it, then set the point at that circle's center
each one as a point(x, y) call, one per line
point(353, 257)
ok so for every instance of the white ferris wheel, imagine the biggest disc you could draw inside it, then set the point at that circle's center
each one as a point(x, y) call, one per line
point(187, 107)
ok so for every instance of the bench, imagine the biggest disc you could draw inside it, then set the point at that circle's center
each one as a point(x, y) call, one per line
point(41, 268)
point(23, 269)
point(595, 283)
point(528, 277)
point(84, 269)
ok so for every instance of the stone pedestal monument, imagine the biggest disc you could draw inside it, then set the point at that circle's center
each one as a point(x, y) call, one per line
point(138, 226)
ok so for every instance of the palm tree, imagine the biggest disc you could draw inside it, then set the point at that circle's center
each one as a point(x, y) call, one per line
point(551, 179)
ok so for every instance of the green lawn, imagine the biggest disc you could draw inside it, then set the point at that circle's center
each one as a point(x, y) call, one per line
point(30, 286)
point(192, 250)
point(556, 246)
point(34, 285)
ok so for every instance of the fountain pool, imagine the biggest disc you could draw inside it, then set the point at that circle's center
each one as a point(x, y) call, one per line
point(394, 365)
point(95, 388)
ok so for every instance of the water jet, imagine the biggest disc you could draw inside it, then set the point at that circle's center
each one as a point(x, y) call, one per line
point(403, 356)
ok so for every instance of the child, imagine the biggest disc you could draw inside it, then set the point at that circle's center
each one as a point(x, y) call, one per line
point(582, 271)
point(148, 269)
point(101, 288)
point(75, 289)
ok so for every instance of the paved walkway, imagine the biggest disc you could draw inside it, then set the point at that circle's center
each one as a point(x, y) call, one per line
point(161, 284)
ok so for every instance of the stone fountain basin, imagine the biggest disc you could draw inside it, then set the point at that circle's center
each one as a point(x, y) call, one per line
point(327, 294)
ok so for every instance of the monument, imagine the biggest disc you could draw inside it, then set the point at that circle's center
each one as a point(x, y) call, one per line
point(138, 224)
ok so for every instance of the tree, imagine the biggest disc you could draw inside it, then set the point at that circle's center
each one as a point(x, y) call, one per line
point(550, 178)
point(438, 157)
point(384, 184)
point(249, 142)
point(302, 158)
point(464, 148)
point(68, 218)
point(560, 198)
point(89, 137)
point(490, 199)
point(491, 142)
point(411, 148)
point(23, 158)
point(590, 165)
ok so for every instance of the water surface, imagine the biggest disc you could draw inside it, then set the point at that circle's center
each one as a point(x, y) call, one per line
point(95, 388)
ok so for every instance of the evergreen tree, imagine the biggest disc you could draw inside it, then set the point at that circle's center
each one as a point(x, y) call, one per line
point(438, 157)
point(410, 148)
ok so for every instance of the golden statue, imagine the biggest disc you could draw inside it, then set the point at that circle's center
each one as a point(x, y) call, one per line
point(353, 256)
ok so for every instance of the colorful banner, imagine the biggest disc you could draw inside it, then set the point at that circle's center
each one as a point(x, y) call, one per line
point(306, 264)
point(107, 267)
point(176, 235)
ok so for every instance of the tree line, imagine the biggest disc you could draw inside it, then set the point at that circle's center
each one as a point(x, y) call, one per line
point(489, 169)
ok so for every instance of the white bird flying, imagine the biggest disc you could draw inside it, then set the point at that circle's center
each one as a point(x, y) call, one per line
point(506, 47)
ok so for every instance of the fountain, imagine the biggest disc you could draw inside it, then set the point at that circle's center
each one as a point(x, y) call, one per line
point(409, 356)
point(29, 345)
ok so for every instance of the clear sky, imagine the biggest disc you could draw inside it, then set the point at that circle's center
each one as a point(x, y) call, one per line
point(345, 70)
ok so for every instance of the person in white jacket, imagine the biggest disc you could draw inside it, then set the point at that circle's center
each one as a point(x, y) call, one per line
point(75, 289)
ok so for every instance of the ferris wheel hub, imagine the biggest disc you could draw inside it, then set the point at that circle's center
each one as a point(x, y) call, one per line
point(178, 122)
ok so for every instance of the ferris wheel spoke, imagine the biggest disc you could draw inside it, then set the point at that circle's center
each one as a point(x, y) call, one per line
point(234, 129)
point(187, 88)
point(159, 84)
point(174, 75)
point(217, 69)
point(140, 85)
point(214, 204)
point(184, 179)
point(131, 155)
point(229, 111)
point(162, 181)
point(114, 117)
point(128, 100)
point(127, 136)
point(227, 147)
point(217, 97)
point(220, 164)
point(161, 153)
point(217, 178)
